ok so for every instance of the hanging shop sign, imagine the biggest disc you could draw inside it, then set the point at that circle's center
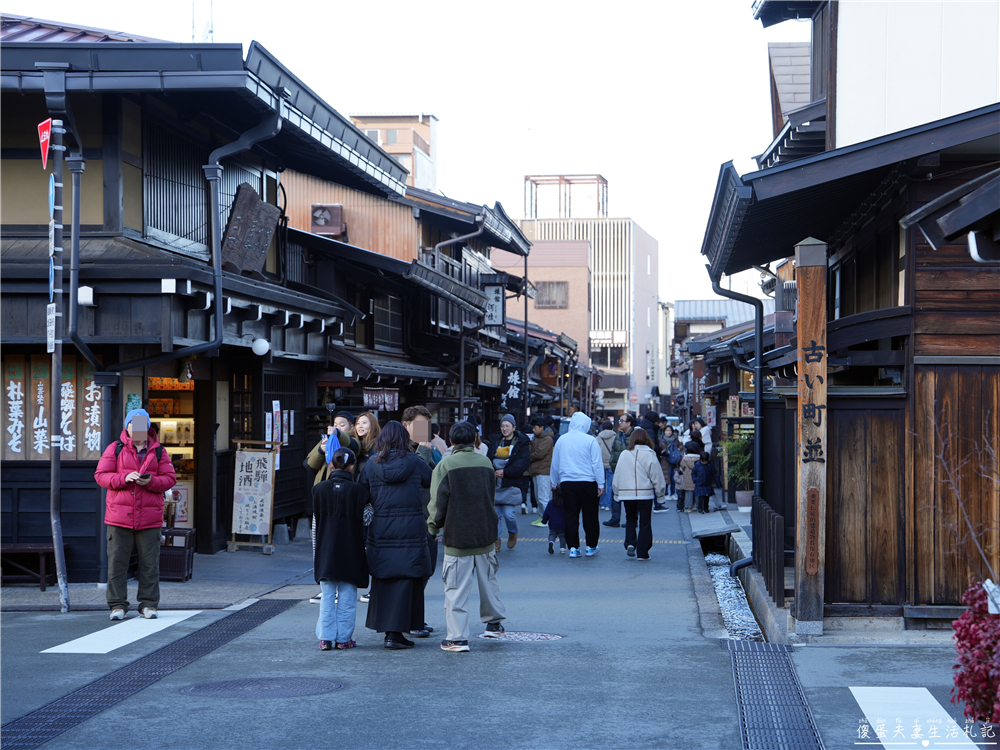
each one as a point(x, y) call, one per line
point(249, 230)
point(385, 399)
point(512, 390)
point(496, 308)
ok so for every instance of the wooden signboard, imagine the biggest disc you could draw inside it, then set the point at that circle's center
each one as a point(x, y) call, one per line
point(15, 408)
point(68, 427)
point(39, 408)
point(89, 415)
point(249, 230)
point(810, 532)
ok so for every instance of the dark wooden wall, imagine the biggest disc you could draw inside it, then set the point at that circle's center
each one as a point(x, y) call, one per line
point(778, 463)
point(25, 517)
point(955, 419)
point(956, 301)
point(865, 501)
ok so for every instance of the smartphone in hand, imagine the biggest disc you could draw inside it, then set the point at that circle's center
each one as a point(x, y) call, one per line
point(144, 476)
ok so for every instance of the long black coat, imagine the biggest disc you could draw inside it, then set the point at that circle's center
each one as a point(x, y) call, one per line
point(397, 535)
point(339, 506)
point(515, 473)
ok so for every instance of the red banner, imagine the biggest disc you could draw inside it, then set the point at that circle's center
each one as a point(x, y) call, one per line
point(44, 136)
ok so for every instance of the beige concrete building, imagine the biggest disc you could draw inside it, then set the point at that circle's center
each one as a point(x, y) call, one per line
point(411, 139)
point(561, 272)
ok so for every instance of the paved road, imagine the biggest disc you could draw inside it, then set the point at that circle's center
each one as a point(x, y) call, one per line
point(632, 669)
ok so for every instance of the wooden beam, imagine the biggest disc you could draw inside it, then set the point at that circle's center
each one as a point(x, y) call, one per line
point(810, 464)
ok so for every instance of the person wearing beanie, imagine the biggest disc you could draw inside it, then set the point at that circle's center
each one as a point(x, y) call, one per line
point(510, 454)
point(136, 471)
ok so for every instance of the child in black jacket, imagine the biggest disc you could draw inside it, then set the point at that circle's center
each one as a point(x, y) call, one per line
point(555, 518)
point(339, 560)
point(703, 474)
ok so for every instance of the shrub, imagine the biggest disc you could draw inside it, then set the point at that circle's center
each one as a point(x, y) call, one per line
point(977, 671)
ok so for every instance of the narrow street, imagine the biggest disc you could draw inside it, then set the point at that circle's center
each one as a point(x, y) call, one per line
point(632, 666)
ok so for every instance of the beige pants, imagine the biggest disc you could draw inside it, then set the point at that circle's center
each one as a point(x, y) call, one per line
point(457, 572)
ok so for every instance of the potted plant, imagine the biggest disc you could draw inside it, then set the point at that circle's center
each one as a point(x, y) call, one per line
point(738, 453)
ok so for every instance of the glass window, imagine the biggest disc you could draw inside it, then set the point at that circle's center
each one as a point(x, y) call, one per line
point(552, 295)
point(388, 321)
point(391, 136)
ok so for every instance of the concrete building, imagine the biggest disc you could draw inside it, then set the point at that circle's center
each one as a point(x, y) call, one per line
point(411, 139)
point(560, 270)
point(624, 306)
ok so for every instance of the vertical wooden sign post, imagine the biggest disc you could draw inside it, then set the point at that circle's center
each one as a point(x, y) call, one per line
point(810, 466)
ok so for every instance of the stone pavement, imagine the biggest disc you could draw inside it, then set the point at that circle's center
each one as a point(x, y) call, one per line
point(638, 664)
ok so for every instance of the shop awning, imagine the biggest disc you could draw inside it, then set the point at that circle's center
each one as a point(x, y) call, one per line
point(469, 299)
point(341, 355)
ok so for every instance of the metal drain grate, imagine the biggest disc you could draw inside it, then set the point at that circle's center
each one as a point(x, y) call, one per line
point(52, 719)
point(263, 687)
point(774, 713)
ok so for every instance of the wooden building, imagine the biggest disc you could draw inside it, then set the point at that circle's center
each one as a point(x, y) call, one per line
point(912, 372)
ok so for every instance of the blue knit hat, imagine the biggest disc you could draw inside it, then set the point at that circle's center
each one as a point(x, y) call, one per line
point(136, 413)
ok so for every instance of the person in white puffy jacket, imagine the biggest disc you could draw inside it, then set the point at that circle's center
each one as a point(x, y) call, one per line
point(638, 482)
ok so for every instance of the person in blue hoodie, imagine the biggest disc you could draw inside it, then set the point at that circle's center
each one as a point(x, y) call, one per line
point(578, 473)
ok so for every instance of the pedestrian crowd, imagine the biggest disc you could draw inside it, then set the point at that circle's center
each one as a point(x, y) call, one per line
point(384, 496)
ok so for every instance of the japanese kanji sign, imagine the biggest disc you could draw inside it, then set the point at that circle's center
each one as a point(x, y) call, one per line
point(253, 492)
point(495, 306)
point(14, 407)
point(39, 408)
point(44, 139)
point(511, 389)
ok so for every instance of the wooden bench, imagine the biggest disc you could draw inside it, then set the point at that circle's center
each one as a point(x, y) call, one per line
point(9, 549)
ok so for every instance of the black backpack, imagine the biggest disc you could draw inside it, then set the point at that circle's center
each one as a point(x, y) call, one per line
point(120, 446)
point(674, 454)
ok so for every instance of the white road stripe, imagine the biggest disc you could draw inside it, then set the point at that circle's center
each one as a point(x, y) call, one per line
point(122, 634)
point(904, 712)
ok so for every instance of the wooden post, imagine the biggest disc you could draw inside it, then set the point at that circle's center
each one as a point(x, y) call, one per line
point(810, 465)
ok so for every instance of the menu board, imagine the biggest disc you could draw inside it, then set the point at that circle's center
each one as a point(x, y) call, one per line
point(253, 492)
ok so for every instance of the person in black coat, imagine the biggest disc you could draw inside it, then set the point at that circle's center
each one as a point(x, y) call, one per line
point(510, 452)
point(398, 558)
point(339, 561)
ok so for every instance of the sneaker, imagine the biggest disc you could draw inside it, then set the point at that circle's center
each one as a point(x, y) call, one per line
point(591, 551)
point(612, 524)
point(118, 614)
point(524, 509)
point(643, 559)
point(562, 550)
point(630, 550)
point(493, 630)
point(149, 613)
point(454, 645)
point(551, 550)
point(365, 597)
point(346, 645)
point(538, 522)
point(574, 552)
point(326, 645)
point(660, 508)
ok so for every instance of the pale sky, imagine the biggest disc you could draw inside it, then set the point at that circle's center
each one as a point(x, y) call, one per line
point(652, 95)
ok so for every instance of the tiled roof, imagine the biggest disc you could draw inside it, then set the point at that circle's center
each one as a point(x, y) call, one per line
point(14, 28)
point(726, 311)
point(790, 66)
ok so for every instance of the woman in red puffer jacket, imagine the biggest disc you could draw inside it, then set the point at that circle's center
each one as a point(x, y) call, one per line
point(136, 471)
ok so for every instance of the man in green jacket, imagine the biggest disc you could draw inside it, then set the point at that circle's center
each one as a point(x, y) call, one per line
point(463, 488)
point(626, 426)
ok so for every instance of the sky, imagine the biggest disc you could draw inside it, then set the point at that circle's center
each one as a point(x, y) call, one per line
point(654, 96)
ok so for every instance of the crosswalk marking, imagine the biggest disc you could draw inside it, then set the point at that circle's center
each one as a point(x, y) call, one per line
point(909, 717)
point(119, 635)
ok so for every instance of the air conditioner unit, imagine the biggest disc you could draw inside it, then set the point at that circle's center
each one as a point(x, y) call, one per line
point(327, 219)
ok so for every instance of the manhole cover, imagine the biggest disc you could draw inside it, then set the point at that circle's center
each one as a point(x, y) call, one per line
point(521, 636)
point(264, 687)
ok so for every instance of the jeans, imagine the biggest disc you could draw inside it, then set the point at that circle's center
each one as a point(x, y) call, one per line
point(560, 535)
point(609, 477)
point(543, 491)
point(681, 495)
point(671, 485)
point(338, 611)
point(506, 513)
point(616, 511)
point(640, 511)
point(120, 544)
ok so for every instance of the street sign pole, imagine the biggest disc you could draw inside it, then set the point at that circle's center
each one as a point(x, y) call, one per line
point(55, 411)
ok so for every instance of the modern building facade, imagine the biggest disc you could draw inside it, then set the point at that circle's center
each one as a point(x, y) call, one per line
point(411, 139)
point(624, 303)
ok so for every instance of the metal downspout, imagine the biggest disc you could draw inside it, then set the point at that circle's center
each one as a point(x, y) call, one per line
point(758, 377)
point(268, 128)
